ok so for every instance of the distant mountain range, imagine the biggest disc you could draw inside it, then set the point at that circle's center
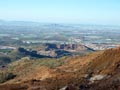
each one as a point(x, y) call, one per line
point(19, 23)
point(29, 23)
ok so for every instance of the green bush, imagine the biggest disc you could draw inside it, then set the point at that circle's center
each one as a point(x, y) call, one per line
point(4, 60)
point(5, 76)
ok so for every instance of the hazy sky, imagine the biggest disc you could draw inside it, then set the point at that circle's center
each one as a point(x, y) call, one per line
point(63, 11)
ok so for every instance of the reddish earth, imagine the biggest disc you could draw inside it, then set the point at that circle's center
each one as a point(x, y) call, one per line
point(96, 71)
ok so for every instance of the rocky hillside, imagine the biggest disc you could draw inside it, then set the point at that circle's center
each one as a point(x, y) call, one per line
point(59, 50)
point(44, 51)
point(68, 47)
point(96, 71)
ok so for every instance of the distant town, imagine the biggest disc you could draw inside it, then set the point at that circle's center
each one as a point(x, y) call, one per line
point(96, 37)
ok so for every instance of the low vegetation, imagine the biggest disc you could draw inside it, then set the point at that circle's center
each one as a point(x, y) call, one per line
point(4, 60)
point(5, 76)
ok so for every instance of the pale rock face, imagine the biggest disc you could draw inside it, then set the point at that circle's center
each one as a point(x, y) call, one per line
point(97, 78)
point(64, 88)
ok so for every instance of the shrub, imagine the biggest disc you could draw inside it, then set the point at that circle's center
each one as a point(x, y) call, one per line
point(5, 76)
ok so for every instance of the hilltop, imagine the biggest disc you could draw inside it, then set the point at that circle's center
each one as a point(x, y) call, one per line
point(95, 71)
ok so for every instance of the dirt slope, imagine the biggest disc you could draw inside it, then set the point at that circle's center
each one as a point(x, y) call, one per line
point(96, 71)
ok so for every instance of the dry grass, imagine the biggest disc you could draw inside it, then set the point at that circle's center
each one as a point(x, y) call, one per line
point(54, 74)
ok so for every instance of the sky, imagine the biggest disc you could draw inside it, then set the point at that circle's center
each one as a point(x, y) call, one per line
point(62, 11)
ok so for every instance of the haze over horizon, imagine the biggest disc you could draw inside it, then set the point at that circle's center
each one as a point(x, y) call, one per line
point(62, 11)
